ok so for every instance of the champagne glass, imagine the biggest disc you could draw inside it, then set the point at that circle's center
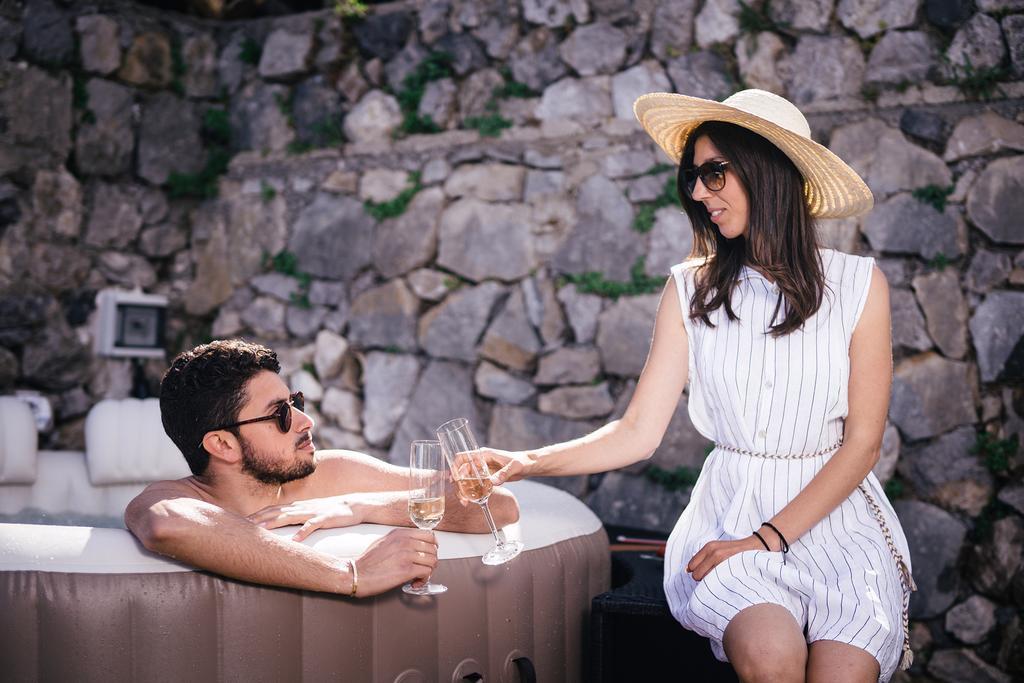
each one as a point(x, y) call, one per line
point(426, 498)
point(474, 481)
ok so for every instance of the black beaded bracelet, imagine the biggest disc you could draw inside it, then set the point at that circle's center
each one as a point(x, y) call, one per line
point(763, 542)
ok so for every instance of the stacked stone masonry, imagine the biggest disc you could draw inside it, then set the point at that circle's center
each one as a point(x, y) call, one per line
point(425, 211)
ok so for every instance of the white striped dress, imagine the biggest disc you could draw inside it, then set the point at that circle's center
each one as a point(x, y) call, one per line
point(773, 397)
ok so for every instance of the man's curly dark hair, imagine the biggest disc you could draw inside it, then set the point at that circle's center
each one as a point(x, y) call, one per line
point(205, 388)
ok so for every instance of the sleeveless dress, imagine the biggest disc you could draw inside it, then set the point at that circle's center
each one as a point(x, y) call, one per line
point(775, 408)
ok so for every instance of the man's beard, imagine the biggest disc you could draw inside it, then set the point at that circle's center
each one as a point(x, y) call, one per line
point(266, 471)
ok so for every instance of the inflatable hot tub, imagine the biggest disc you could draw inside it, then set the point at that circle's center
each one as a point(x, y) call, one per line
point(90, 604)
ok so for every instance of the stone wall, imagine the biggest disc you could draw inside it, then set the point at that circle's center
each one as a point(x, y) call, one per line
point(447, 209)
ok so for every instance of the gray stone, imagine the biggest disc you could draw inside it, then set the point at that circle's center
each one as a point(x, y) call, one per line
point(328, 293)
point(823, 68)
point(584, 100)
point(515, 428)
point(603, 239)
point(114, 220)
point(200, 56)
point(148, 62)
point(627, 162)
point(624, 334)
point(542, 308)
point(670, 242)
point(1013, 31)
point(384, 317)
point(578, 402)
point(488, 182)
point(10, 38)
point(908, 326)
point(303, 321)
point(535, 61)
point(402, 65)
point(439, 102)
point(281, 287)
point(435, 171)
point(701, 74)
point(504, 387)
point(383, 35)
point(499, 34)
point(304, 381)
point(945, 310)
point(582, 310)
point(672, 28)
point(997, 561)
point(331, 41)
point(890, 455)
point(332, 238)
point(433, 18)
point(802, 15)
point(569, 365)
point(9, 368)
point(997, 326)
point(374, 118)
point(948, 13)
point(129, 270)
point(868, 17)
point(539, 159)
point(646, 77)
point(543, 183)
point(99, 43)
point(58, 267)
point(987, 269)
point(57, 204)
point(935, 538)
point(972, 620)
point(37, 136)
point(343, 407)
point(467, 54)
point(647, 188)
point(104, 146)
point(257, 121)
point(923, 124)
point(254, 229)
point(409, 241)
point(717, 22)
point(453, 329)
point(22, 314)
point(510, 340)
point(597, 48)
point(905, 225)
point(958, 666)
point(902, 57)
point(632, 501)
point(841, 234)
point(552, 218)
point(946, 473)
point(429, 285)
point(476, 96)
point(162, 240)
point(330, 352)
point(230, 67)
point(922, 403)
point(55, 360)
point(169, 139)
point(444, 390)
point(388, 383)
point(758, 55)
point(382, 184)
point(986, 133)
point(978, 43)
point(996, 200)
point(479, 240)
point(46, 33)
point(1013, 495)
point(554, 13)
point(316, 113)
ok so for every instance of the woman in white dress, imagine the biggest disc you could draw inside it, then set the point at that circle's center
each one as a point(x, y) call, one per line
point(788, 558)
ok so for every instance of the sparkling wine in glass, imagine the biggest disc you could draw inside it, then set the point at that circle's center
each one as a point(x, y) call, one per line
point(426, 498)
point(473, 480)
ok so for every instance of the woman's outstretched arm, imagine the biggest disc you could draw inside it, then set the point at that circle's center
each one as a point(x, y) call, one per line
point(638, 433)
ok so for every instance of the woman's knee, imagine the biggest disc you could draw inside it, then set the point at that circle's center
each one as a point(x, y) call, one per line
point(764, 643)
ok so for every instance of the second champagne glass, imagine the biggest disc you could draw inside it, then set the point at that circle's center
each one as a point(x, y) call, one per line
point(474, 481)
point(426, 498)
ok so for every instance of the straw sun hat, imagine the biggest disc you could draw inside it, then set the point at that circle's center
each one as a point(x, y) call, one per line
point(832, 189)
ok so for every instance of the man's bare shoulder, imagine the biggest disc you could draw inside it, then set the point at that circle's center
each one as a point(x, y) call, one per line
point(342, 471)
point(167, 490)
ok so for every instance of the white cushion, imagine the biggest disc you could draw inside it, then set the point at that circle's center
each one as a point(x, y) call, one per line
point(18, 442)
point(125, 442)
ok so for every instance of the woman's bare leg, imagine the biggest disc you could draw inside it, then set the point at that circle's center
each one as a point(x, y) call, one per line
point(830, 661)
point(765, 645)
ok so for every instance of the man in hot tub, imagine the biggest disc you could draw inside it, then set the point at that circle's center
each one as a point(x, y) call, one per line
point(255, 467)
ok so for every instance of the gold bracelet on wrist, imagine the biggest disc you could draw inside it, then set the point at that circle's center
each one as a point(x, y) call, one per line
point(355, 578)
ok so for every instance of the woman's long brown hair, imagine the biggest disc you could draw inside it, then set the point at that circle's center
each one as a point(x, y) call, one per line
point(780, 241)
